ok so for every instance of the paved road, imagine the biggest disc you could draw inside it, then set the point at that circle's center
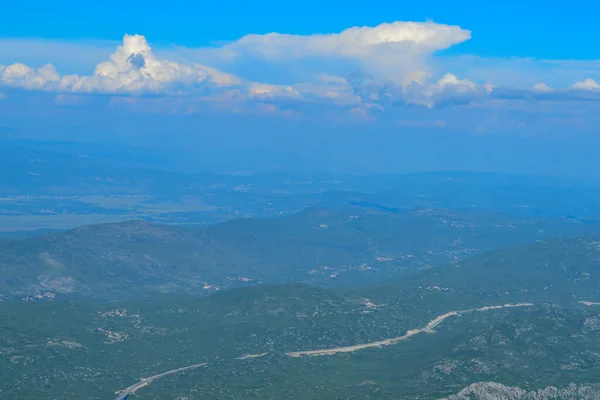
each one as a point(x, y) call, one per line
point(321, 352)
point(427, 328)
point(146, 381)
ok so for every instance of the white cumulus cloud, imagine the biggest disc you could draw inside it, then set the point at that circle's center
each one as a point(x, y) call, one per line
point(587, 84)
point(448, 90)
point(542, 88)
point(20, 75)
point(265, 90)
point(133, 68)
point(396, 51)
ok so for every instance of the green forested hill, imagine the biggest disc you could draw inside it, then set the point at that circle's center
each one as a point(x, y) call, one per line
point(53, 349)
point(330, 248)
point(565, 270)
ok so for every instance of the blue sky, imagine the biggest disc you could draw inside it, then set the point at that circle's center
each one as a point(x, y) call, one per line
point(520, 28)
point(395, 86)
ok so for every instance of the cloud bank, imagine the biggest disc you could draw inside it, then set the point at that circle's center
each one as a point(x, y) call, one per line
point(362, 69)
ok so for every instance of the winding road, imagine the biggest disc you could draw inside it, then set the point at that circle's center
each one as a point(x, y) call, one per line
point(322, 352)
point(427, 328)
point(146, 381)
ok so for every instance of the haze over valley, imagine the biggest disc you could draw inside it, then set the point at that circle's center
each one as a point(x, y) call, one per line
point(356, 296)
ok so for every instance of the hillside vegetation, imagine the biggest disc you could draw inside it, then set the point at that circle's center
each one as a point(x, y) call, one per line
point(329, 248)
point(55, 349)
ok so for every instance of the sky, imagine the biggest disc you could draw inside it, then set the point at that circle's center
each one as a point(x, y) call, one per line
point(390, 87)
point(509, 28)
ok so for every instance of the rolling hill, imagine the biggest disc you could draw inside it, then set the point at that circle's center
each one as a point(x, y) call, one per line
point(560, 270)
point(322, 246)
point(92, 349)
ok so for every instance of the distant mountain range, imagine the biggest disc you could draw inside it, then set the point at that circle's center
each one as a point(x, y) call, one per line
point(60, 185)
